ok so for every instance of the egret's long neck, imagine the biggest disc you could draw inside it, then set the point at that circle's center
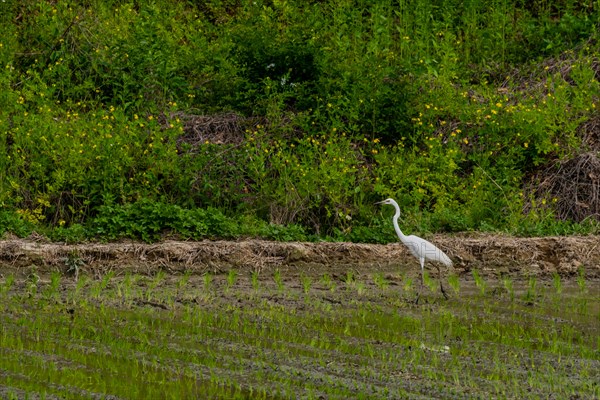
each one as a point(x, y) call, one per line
point(396, 227)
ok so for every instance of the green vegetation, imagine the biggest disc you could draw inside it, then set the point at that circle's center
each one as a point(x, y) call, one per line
point(166, 336)
point(287, 120)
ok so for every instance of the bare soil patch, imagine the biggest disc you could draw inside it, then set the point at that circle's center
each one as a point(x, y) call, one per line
point(490, 255)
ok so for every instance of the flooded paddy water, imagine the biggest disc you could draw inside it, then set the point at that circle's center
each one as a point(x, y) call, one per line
point(296, 331)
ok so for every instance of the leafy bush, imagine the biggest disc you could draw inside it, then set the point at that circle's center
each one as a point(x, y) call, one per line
point(14, 223)
point(151, 221)
point(448, 111)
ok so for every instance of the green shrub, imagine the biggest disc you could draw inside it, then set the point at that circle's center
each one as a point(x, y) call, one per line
point(75, 233)
point(448, 107)
point(16, 224)
point(151, 221)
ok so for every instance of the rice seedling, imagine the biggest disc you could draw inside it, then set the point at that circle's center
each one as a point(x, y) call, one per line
point(430, 283)
point(255, 281)
point(51, 291)
point(207, 279)
point(306, 283)
point(454, 283)
point(360, 287)
point(408, 285)
point(184, 280)
point(79, 285)
point(556, 281)
point(106, 279)
point(278, 280)
point(380, 281)
point(349, 279)
point(231, 279)
point(531, 294)
point(509, 286)
point(235, 347)
point(479, 282)
point(581, 283)
point(73, 263)
point(7, 284)
point(158, 279)
point(32, 283)
point(328, 282)
point(124, 288)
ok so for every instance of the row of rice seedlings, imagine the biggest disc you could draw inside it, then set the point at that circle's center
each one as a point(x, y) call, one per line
point(530, 335)
point(335, 338)
point(509, 323)
point(137, 335)
point(332, 350)
point(256, 338)
point(122, 350)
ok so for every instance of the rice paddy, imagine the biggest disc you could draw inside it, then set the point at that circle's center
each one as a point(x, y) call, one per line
point(306, 335)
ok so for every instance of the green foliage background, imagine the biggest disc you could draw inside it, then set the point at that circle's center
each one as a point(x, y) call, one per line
point(449, 107)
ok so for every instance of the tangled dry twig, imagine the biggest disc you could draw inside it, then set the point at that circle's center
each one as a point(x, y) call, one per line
point(589, 132)
point(573, 185)
point(227, 128)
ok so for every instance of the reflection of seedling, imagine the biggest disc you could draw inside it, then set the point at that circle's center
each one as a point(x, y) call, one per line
point(582, 306)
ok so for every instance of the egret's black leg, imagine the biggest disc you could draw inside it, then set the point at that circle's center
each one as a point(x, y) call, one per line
point(443, 291)
point(441, 284)
point(422, 260)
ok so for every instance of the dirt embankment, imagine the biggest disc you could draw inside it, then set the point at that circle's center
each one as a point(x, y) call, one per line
point(491, 255)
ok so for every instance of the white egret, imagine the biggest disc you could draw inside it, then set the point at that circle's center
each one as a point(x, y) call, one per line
point(420, 248)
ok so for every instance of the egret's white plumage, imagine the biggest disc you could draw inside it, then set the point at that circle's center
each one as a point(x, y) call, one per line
point(420, 248)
